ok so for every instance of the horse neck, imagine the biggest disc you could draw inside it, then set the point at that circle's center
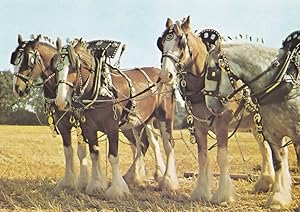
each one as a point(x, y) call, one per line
point(85, 73)
point(196, 63)
point(47, 52)
point(195, 67)
point(248, 60)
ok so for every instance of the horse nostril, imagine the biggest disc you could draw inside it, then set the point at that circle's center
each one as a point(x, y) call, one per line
point(170, 76)
point(21, 94)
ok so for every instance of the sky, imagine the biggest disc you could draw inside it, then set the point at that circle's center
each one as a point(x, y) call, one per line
point(138, 23)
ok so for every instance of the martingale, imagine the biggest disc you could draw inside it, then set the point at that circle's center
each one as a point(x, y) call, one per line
point(107, 48)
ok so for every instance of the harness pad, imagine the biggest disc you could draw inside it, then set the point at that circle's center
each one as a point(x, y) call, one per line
point(107, 48)
point(209, 37)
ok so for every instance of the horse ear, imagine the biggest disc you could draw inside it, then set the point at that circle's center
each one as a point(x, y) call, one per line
point(78, 44)
point(20, 39)
point(176, 29)
point(58, 44)
point(169, 23)
point(37, 39)
point(186, 24)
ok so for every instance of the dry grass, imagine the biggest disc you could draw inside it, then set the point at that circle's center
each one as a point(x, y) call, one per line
point(32, 162)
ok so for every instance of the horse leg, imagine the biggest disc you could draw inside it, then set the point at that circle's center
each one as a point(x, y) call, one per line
point(159, 165)
point(82, 153)
point(169, 180)
point(226, 191)
point(97, 182)
point(202, 191)
point(281, 190)
point(69, 179)
point(136, 173)
point(118, 187)
point(266, 177)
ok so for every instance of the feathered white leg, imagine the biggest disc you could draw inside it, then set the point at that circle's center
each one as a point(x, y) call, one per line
point(226, 191)
point(69, 179)
point(118, 188)
point(281, 191)
point(82, 152)
point(98, 182)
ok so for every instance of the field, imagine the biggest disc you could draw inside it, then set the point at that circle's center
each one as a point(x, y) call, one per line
point(32, 162)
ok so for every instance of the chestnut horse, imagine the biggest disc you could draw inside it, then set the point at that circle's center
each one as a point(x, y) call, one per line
point(32, 62)
point(133, 98)
point(184, 55)
point(275, 87)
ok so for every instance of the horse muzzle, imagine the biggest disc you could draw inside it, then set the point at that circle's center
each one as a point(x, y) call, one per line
point(62, 105)
point(20, 92)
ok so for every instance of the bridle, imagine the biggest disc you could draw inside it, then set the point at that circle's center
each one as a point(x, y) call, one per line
point(180, 66)
point(34, 58)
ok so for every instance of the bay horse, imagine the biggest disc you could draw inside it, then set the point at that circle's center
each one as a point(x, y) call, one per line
point(31, 60)
point(32, 63)
point(275, 88)
point(135, 97)
point(184, 56)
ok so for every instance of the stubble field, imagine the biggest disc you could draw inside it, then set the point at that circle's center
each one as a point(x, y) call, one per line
point(32, 162)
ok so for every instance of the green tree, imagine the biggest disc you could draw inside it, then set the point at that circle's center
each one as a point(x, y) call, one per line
point(15, 110)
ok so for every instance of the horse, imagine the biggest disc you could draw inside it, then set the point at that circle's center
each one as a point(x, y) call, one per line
point(31, 60)
point(184, 56)
point(275, 90)
point(32, 63)
point(131, 99)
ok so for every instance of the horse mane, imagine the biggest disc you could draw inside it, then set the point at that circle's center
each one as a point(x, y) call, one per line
point(243, 38)
point(81, 48)
point(45, 39)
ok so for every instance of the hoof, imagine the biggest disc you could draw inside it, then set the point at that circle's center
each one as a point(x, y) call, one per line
point(168, 184)
point(278, 200)
point(117, 193)
point(96, 187)
point(66, 182)
point(264, 184)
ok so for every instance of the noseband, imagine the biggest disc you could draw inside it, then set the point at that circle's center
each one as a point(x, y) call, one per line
point(175, 59)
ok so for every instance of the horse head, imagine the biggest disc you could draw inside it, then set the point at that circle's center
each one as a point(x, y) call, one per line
point(72, 65)
point(181, 50)
point(30, 61)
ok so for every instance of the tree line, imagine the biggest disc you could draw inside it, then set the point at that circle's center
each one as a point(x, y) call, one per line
point(23, 111)
point(30, 110)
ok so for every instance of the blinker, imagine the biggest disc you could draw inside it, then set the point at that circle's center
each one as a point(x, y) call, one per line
point(213, 74)
point(159, 44)
point(15, 58)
